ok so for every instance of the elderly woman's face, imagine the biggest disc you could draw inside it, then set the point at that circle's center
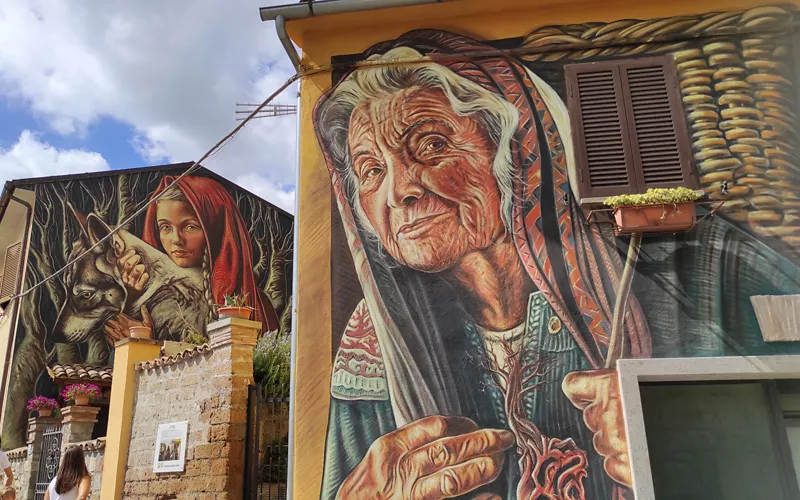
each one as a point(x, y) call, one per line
point(425, 178)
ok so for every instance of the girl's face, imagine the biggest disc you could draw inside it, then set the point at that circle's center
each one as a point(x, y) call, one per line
point(180, 233)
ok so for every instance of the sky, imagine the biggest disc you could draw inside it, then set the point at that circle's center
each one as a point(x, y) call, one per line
point(106, 84)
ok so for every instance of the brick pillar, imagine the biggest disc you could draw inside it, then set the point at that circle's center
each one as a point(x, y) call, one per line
point(36, 428)
point(77, 424)
point(232, 340)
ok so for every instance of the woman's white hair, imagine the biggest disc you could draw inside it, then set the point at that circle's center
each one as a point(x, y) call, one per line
point(498, 116)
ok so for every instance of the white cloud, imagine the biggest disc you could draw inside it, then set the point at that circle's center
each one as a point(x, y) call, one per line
point(172, 70)
point(256, 184)
point(30, 157)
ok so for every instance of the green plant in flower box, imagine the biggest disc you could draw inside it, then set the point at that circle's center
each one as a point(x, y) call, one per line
point(653, 196)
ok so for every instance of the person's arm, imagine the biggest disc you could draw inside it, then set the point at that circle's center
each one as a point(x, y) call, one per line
point(85, 488)
point(47, 494)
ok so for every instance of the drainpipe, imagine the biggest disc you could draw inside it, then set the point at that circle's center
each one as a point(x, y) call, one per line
point(17, 305)
point(288, 46)
point(293, 355)
point(312, 8)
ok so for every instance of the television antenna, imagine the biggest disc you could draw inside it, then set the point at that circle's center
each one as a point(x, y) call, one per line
point(268, 111)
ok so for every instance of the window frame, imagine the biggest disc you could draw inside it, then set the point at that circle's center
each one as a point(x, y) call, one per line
point(632, 372)
point(636, 183)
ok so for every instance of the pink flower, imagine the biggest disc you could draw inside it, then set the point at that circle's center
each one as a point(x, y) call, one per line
point(40, 403)
point(81, 389)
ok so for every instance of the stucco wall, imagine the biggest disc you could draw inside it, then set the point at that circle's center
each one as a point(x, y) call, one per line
point(261, 270)
point(415, 346)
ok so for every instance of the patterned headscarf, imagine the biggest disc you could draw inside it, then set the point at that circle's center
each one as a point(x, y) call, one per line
point(574, 265)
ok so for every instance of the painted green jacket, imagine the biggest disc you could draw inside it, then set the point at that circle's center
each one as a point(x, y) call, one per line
point(695, 291)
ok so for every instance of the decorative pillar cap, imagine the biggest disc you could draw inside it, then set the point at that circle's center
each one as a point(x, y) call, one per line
point(233, 331)
point(131, 340)
point(79, 414)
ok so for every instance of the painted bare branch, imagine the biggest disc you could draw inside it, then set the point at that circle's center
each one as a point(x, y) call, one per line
point(126, 205)
point(551, 468)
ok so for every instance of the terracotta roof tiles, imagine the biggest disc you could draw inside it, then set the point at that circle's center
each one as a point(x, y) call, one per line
point(175, 358)
point(80, 372)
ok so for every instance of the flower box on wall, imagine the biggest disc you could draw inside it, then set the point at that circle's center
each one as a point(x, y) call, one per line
point(654, 218)
point(659, 210)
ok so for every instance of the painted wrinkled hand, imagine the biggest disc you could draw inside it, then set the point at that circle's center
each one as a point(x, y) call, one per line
point(596, 393)
point(118, 327)
point(431, 458)
point(133, 270)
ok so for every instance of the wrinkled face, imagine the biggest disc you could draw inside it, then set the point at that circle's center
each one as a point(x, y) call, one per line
point(180, 233)
point(425, 178)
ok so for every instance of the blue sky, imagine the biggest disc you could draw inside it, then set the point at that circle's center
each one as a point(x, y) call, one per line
point(109, 137)
point(87, 86)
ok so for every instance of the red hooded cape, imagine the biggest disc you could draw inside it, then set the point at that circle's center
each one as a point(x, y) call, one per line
point(228, 242)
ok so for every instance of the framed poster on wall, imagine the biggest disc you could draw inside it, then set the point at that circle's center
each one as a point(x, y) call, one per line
point(170, 453)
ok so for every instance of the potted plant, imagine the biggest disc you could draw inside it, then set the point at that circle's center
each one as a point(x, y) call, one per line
point(44, 406)
point(657, 210)
point(235, 307)
point(81, 393)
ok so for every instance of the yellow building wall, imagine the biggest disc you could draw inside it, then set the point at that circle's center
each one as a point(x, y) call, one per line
point(12, 228)
point(324, 37)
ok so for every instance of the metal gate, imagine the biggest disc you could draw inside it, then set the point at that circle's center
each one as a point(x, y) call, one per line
point(50, 458)
point(267, 455)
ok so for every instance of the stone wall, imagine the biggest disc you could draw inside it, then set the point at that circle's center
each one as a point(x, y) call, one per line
point(206, 386)
point(21, 467)
point(25, 461)
point(94, 452)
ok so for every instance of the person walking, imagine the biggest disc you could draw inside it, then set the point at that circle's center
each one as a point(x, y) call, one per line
point(5, 465)
point(73, 481)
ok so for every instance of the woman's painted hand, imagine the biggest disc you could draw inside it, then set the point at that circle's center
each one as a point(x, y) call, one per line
point(431, 458)
point(596, 393)
point(118, 327)
point(133, 270)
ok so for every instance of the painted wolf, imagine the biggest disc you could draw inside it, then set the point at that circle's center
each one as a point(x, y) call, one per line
point(95, 291)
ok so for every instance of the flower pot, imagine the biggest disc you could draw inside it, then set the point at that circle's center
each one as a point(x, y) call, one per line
point(235, 312)
point(654, 218)
point(82, 400)
point(45, 412)
point(140, 332)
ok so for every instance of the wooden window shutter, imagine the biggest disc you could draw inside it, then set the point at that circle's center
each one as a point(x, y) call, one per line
point(628, 127)
point(657, 125)
point(600, 132)
point(8, 284)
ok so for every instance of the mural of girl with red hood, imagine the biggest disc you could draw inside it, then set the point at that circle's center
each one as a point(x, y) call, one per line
point(198, 224)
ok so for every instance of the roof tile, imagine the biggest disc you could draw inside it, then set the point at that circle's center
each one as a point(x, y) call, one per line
point(171, 360)
point(80, 372)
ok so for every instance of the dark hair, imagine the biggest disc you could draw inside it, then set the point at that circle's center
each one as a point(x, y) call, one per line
point(72, 470)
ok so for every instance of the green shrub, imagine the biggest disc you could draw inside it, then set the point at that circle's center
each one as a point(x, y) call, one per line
point(271, 359)
point(192, 336)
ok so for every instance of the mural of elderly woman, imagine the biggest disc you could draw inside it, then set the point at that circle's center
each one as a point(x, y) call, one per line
point(198, 225)
point(476, 361)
